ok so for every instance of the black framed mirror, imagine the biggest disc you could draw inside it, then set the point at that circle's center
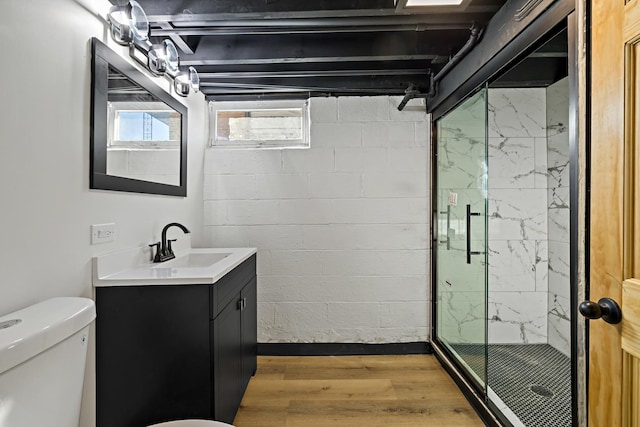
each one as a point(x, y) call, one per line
point(138, 131)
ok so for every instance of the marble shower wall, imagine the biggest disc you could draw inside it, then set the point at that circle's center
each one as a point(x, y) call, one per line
point(518, 217)
point(559, 328)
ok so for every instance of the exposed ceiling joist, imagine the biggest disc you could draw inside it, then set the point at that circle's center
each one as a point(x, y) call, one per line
point(357, 47)
point(232, 31)
point(305, 60)
point(267, 48)
point(318, 20)
point(176, 38)
point(306, 74)
point(170, 7)
point(168, 10)
point(317, 87)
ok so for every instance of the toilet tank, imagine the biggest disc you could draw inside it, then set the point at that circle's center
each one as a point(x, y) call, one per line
point(43, 350)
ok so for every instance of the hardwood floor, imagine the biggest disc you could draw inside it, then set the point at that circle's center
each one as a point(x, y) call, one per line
point(354, 391)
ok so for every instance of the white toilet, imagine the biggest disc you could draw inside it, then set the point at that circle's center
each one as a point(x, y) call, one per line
point(43, 351)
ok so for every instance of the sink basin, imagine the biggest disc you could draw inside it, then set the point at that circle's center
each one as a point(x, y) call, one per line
point(193, 266)
point(193, 260)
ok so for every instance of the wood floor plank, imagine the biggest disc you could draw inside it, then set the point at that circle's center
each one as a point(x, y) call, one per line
point(415, 360)
point(373, 413)
point(271, 369)
point(261, 416)
point(354, 391)
point(434, 385)
point(360, 367)
point(280, 393)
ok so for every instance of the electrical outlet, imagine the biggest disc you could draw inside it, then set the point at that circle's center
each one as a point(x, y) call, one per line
point(103, 233)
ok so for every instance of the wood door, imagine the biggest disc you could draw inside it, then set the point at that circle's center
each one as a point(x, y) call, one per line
point(614, 359)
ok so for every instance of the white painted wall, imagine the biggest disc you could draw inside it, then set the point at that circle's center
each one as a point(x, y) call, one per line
point(341, 228)
point(46, 206)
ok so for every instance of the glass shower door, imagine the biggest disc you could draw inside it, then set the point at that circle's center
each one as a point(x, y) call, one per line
point(461, 207)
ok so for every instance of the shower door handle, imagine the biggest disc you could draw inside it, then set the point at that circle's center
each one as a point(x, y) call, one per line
point(448, 241)
point(469, 251)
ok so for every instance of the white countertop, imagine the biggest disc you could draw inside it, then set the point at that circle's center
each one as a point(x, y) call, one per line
point(132, 267)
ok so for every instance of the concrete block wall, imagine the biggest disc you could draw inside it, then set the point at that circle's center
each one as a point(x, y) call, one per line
point(341, 228)
point(148, 164)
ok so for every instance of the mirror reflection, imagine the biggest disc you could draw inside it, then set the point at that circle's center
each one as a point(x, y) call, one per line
point(143, 133)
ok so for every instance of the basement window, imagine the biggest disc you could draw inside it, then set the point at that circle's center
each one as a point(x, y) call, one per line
point(138, 126)
point(260, 124)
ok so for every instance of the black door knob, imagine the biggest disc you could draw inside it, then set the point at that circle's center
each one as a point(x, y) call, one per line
point(606, 308)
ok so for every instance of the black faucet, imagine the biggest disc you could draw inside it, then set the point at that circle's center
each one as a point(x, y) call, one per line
point(163, 247)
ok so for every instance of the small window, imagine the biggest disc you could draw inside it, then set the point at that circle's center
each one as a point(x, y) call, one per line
point(260, 124)
point(135, 126)
point(143, 125)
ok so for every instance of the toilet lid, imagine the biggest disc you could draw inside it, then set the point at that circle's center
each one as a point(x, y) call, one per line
point(192, 423)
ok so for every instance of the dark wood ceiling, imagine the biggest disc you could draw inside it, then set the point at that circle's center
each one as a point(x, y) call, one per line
point(284, 48)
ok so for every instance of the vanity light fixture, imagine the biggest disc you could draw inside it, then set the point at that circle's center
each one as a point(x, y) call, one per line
point(194, 79)
point(185, 81)
point(181, 84)
point(129, 24)
point(163, 58)
point(172, 58)
point(156, 60)
point(130, 27)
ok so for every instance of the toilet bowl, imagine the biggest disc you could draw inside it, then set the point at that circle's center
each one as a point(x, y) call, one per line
point(192, 423)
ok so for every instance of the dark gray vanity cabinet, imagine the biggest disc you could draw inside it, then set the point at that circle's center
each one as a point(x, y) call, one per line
point(249, 332)
point(167, 352)
point(234, 338)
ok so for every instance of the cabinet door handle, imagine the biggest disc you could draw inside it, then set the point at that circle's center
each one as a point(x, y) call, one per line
point(240, 305)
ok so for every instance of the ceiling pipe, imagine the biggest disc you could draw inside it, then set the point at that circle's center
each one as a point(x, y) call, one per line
point(410, 94)
point(474, 38)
